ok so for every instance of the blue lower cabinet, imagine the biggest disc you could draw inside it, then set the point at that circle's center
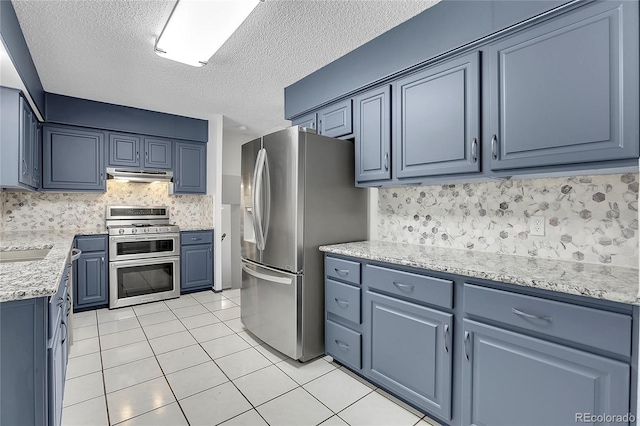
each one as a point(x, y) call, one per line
point(513, 379)
point(196, 261)
point(408, 350)
point(90, 273)
point(35, 348)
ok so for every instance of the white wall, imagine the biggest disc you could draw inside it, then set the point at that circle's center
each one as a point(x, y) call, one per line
point(231, 152)
point(214, 187)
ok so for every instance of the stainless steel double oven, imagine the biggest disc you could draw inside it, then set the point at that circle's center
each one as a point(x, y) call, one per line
point(144, 256)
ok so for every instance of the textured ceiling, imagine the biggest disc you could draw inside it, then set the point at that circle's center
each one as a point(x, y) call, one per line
point(103, 50)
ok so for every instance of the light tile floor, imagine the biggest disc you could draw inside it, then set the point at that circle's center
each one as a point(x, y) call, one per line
point(189, 361)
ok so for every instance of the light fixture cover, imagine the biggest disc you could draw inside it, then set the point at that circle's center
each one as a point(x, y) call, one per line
point(198, 28)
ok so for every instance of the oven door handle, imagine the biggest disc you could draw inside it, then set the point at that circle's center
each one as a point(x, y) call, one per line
point(144, 261)
point(125, 238)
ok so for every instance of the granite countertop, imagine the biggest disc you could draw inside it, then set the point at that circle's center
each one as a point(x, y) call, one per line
point(37, 278)
point(196, 227)
point(612, 283)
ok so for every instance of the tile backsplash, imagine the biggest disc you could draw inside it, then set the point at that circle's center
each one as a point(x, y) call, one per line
point(589, 218)
point(24, 211)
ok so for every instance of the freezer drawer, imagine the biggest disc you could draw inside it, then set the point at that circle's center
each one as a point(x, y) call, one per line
point(271, 307)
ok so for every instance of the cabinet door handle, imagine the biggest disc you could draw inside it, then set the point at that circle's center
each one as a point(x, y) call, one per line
point(342, 303)
point(386, 161)
point(404, 287)
point(60, 301)
point(446, 335)
point(24, 172)
point(466, 342)
point(474, 150)
point(320, 127)
point(342, 272)
point(137, 155)
point(209, 252)
point(66, 332)
point(342, 345)
point(146, 154)
point(102, 261)
point(68, 305)
point(531, 316)
point(494, 147)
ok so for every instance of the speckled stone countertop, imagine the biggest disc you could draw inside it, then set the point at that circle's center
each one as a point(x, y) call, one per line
point(37, 278)
point(196, 227)
point(598, 281)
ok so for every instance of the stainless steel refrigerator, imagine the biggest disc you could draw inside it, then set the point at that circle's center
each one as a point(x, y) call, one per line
point(297, 193)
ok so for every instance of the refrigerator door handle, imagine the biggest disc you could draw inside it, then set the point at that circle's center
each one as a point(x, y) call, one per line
point(257, 199)
point(267, 277)
point(266, 208)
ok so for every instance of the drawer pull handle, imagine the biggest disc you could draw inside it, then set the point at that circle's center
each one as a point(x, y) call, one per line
point(343, 272)
point(466, 342)
point(342, 302)
point(342, 345)
point(530, 316)
point(195, 239)
point(404, 287)
point(446, 334)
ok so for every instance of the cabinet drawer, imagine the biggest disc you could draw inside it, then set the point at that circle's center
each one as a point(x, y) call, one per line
point(422, 288)
point(92, 243)
point(196, 237)
point(343, 344)
point(344, 270)
point(586, 326)
point(342, 300)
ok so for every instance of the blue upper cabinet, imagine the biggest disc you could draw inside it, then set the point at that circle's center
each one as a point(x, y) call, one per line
point(124, 150)
point(73, 159)
point(372, 131)
point(158, 153)
point(566, 91)
point(437, 120)
point(308, 121)
point(190, 169)
point(19, 142)
point(336, 120)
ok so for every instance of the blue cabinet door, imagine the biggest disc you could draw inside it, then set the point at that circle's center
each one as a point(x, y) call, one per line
point(437, 120)
point(124, 150)
point(372, 121)
point(196, 267)
point(73, 159)
point(512, 379)
point(308, 121)
point(408, 350)
point(27, 146)
point(90, 273)
point(336, 120)
point(566, 91)
point(190, 175)
point(37, 153)
point(158, 153)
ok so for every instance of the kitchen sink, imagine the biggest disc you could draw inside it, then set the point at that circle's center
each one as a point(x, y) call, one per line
point(23, 255)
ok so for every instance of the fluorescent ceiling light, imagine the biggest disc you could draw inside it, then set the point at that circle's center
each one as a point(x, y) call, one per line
point(198, 28)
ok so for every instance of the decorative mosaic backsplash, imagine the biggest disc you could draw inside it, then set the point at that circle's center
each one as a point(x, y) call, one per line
point(22, 211)
point(590, 219)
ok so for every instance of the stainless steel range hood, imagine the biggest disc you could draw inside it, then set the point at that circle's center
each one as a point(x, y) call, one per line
point(133, 175)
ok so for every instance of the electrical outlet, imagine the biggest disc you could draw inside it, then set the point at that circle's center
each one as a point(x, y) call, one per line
point(536, 224)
